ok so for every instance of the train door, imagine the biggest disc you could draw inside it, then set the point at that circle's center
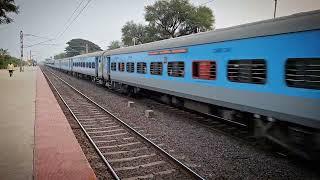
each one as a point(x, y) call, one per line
point(100, 67)
point(71, 64)
point(108, 67)
point(96, 60)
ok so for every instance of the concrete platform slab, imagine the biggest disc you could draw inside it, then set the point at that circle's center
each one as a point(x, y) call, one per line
point(57, 152)
point(17, 114)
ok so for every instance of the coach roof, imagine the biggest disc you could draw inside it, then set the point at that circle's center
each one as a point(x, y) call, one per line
point(288, 24)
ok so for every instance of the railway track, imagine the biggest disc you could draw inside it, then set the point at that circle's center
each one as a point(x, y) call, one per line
point(126, 152)
point(232, 129)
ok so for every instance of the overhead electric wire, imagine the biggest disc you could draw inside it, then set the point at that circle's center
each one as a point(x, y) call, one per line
point(74, 12)
point(73, 20)
point(39, 43)
point(67, 26)
point(206, 3)
point(37, 36)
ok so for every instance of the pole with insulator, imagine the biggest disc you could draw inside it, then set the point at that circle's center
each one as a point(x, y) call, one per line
point(21, 47)
point(275, 8)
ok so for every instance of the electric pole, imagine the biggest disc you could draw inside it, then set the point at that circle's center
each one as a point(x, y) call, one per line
point(87, 49)
point(21, 46)
point(275, 8)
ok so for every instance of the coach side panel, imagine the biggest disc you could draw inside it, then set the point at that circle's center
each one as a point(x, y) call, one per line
point(273, 98)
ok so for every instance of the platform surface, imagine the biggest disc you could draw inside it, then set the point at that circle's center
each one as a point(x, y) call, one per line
point(57, 152)
point(17, 114)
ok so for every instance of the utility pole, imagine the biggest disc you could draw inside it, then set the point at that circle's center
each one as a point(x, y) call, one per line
point(87, 49)
point(275, 8)
point(21, 46)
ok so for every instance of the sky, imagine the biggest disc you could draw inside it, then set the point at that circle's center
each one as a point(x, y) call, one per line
point(101, 21)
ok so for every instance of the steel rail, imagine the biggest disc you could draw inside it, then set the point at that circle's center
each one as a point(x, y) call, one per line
point(186, 168)
point(114, 174)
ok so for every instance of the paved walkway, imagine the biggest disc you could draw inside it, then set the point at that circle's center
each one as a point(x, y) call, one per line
point(57, 152)
point(36, 141)
point(17, 114)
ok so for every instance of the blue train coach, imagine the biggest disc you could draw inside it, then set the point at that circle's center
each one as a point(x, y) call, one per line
point(265, 75)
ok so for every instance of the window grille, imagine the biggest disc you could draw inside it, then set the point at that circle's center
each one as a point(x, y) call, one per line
point(121, 66)
point(113, 66)
point(204, 70)
point(176, 69)
point(303, 73)
point(247, 71)
point(156, 68)
point(130, 67)
point(142, 67)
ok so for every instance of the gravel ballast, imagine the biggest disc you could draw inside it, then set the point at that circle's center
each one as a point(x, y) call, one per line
point(211, 154)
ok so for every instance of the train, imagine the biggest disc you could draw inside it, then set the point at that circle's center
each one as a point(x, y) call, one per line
point(264, 74)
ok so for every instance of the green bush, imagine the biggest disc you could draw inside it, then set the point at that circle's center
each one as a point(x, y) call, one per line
point(5, 60)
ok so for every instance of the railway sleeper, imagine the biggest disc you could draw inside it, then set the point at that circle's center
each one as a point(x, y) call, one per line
point(299, 140)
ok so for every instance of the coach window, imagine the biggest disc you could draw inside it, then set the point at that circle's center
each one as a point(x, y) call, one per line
point(130, 67)
point(156, 68)
point(93, 65)
point(113, 66)
point(303, 73)
point(253, 71)
point(176, 69)
point(89, 64)
point(121, 66)
point(204, 70)
point(141, 67)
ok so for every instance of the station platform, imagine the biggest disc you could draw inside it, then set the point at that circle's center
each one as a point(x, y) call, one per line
point(36, 139)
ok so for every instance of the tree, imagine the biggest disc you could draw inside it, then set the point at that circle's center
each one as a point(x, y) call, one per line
point(7, 6)
point(132, 31)
point(78, 46)
point(138, 33)
point(4, 52)
point(5, 59)
point(60, 56)
point(114, 45)
point(174, 18)
point(201, 20)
